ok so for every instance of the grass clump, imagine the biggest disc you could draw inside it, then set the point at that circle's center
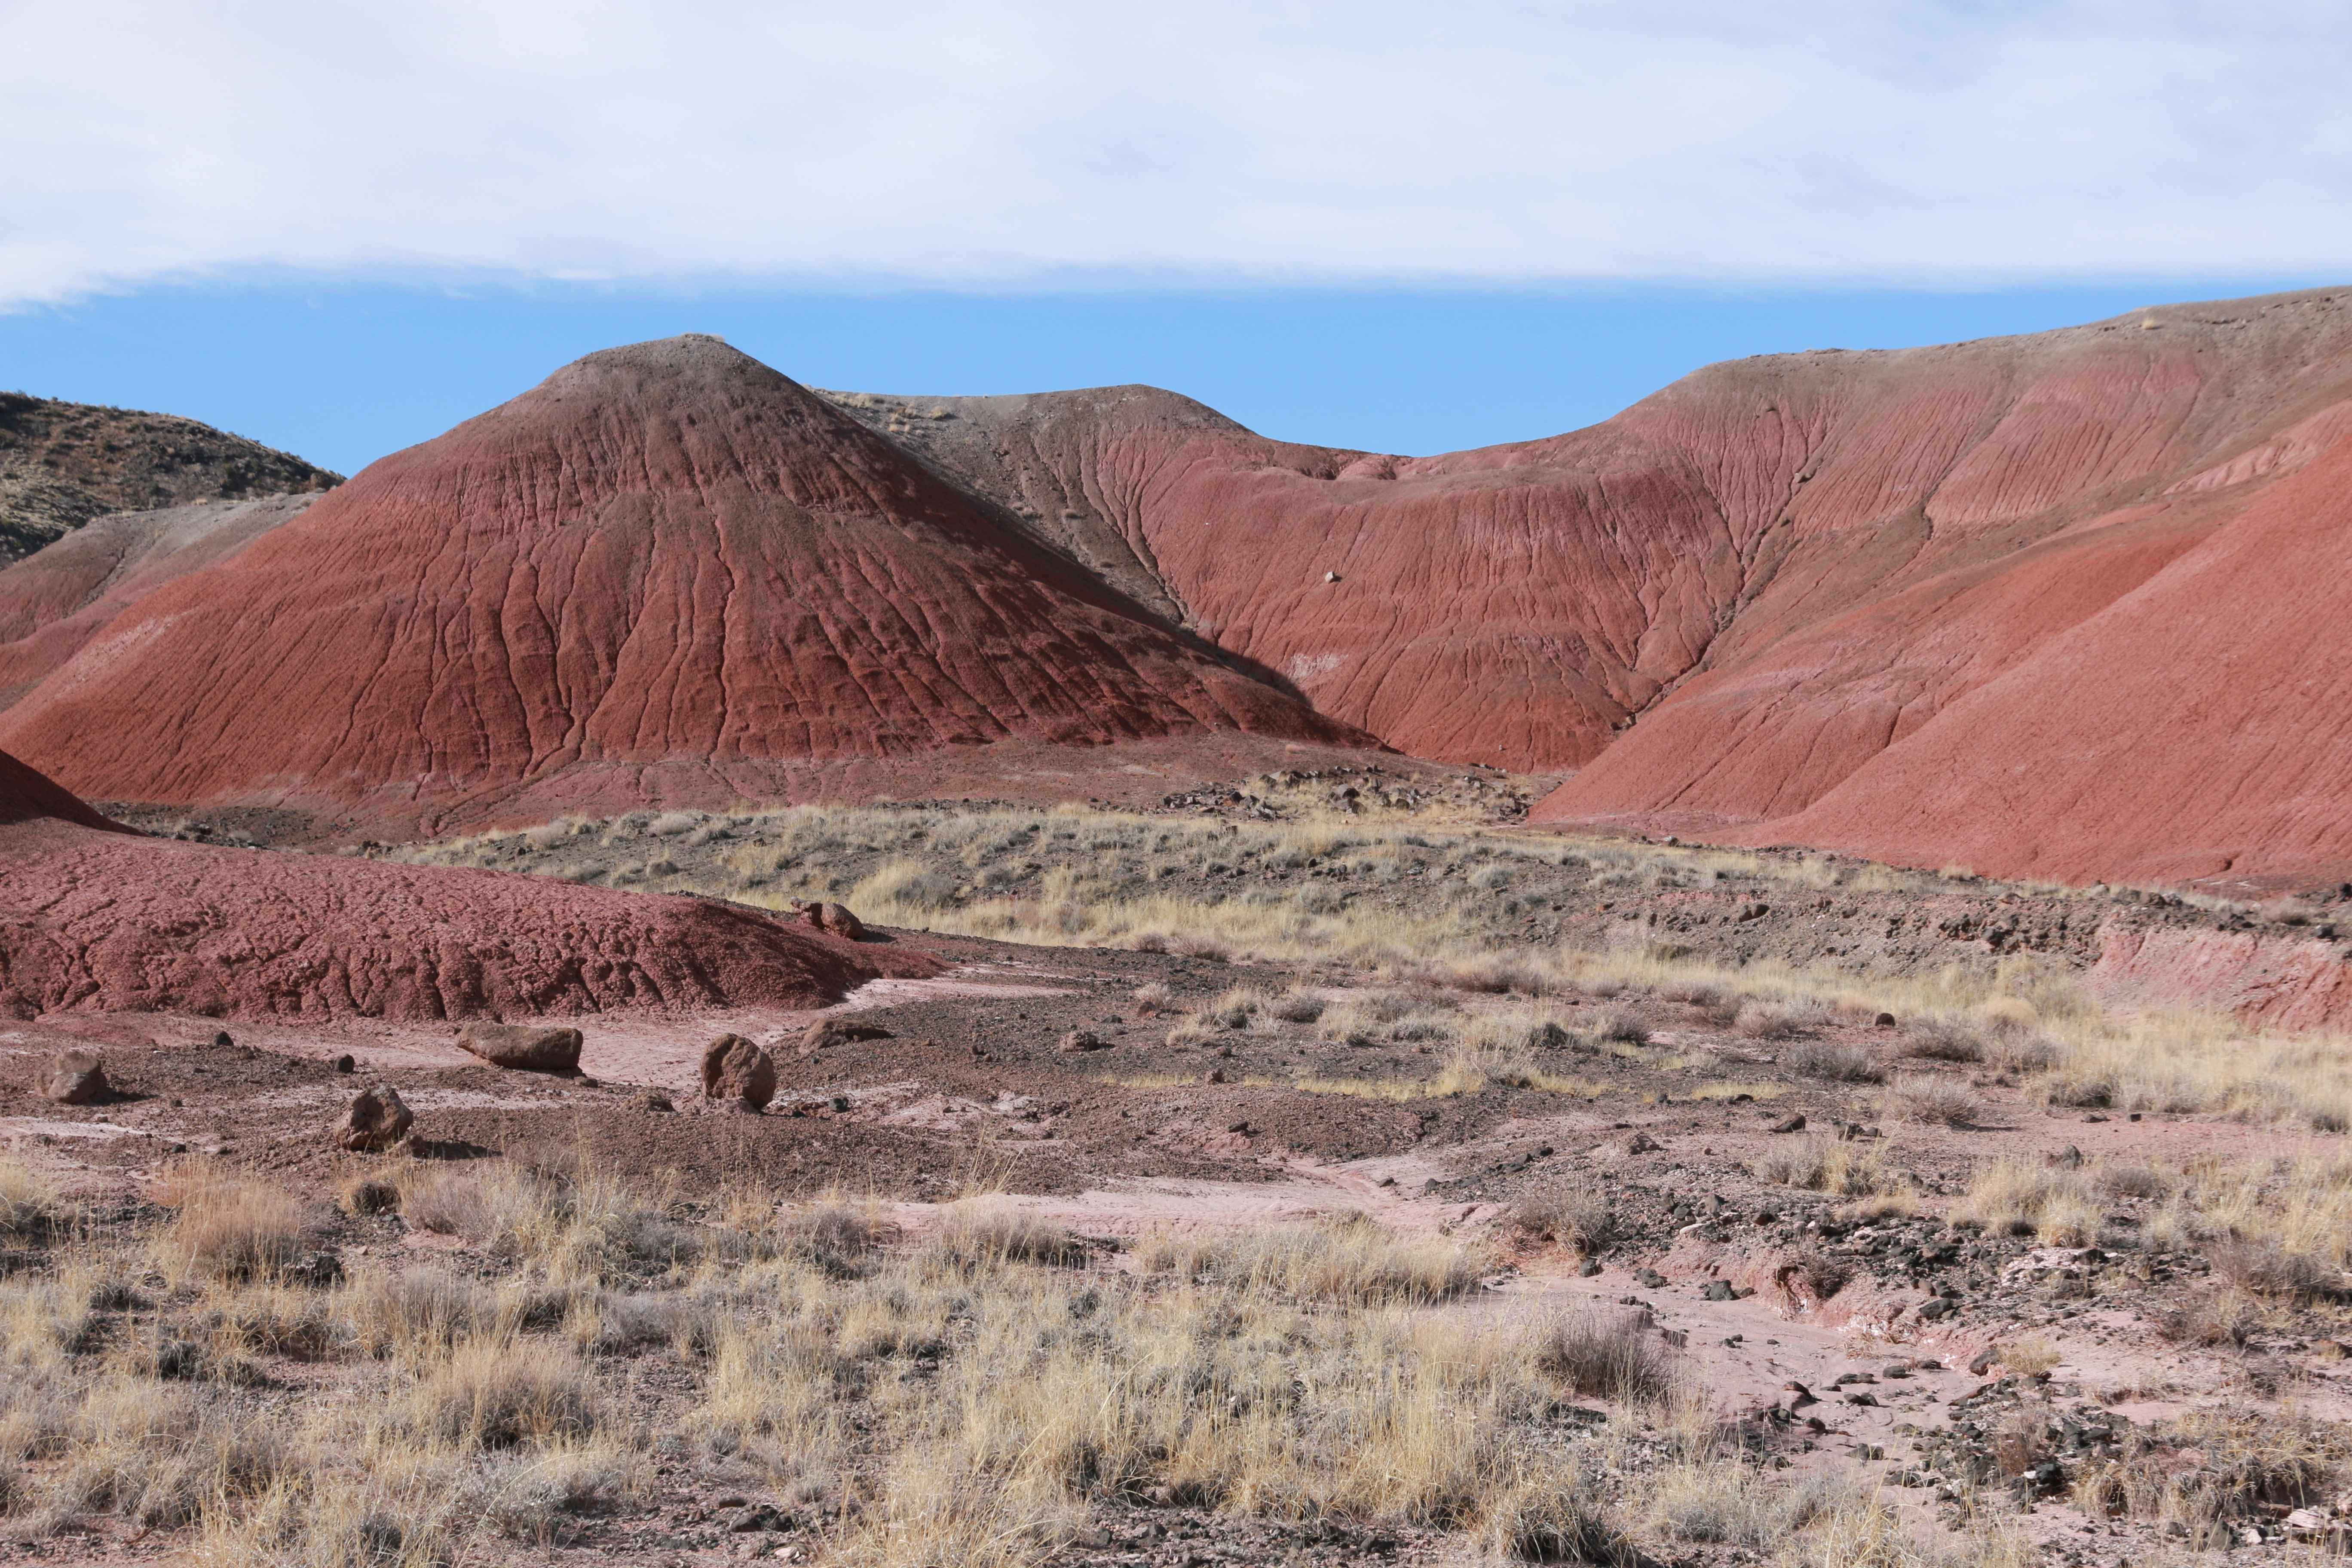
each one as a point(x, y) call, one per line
point(1919, 1098)
point(1606, 1357)
point(1834, 1064)
point(228, 1229)
point(1351, 1259)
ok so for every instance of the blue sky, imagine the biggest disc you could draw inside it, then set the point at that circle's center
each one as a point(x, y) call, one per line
point(342, 376)
point(1400, 224)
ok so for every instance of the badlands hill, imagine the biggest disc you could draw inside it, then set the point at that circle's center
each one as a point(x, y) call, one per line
point(62, 464)
point(656, 576)
point(2056, 605)
point(94, 918)
point(2053, 605)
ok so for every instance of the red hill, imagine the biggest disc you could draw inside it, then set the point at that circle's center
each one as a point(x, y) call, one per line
point(656, 574)
point(1759, 589)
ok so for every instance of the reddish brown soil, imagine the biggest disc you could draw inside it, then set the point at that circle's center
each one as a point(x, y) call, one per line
point(95, 918)
point(667, 559)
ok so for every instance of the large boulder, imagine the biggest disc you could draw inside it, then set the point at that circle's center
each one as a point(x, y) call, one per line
point(826, 1033)
point(736, 1070)
point(524, 1047)
point(835, 918)
point(375, 1120)
point(74, 1077)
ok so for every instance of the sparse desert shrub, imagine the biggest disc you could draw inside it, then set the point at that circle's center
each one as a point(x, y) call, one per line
point(1578, 1219)
point(1938, 1040)
point(980, 1231)
point(1192, 945)
point(1774, 1021)
point(1919, 1098)
point(670, 824)
point(230, 1229)
point(2267, 1268)
point(1235, 1007)
point(1615, 1026)
point(1560, 1518)
point(1152, 999)
point(1351, 1259)
point(2027, 1355)
point(2288, 911)
point(489, 1393)
point(29, 1206)
point(1298, 1006)
point(833, 1235)
point(1193, 1031)
point(1613, 1357)
point(365, 1195)
point(1836, 1064)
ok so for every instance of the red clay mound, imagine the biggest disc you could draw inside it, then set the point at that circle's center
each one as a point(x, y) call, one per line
point(112, 921)
point(666, 554)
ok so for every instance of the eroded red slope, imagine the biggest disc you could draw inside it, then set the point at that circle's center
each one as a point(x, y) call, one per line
point(2199, 726)
point(93, 919)
point(1810, 551)
point(666, 554)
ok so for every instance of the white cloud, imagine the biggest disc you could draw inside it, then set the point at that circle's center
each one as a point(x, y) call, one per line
point(1027, 142)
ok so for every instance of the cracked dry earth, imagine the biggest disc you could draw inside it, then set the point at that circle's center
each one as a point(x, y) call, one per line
point(1829, 1334)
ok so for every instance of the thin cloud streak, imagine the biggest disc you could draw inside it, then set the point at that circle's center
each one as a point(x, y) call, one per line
point(1014, 144)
